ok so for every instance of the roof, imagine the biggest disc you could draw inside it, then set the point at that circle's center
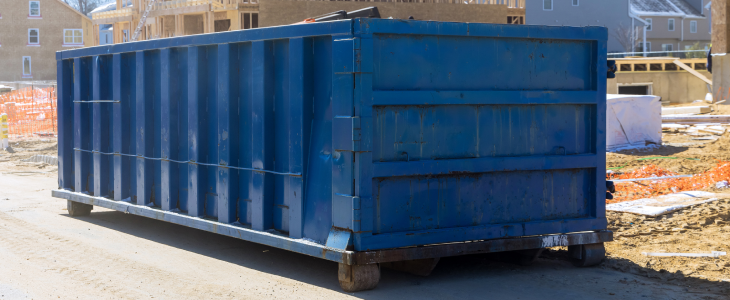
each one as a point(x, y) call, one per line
point(73, 9)
point(669, 8)
point(105, 7)
point(112, 5)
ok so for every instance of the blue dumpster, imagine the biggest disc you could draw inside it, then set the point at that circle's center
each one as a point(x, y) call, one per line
point(354, 141)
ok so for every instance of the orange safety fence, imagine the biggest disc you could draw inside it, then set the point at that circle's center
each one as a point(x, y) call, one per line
point(31, 112)
point(633, 190)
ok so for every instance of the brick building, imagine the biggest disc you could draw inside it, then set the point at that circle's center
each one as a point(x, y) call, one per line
point(32, 31)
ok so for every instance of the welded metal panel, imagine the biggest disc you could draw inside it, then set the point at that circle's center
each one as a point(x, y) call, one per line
point(65, 105)
point(479, 135)
point(245, 139)
point(83, 171)
point(102, 89)
point(403, 133)
point(318, 189)
point(227, 117)
point(282, 125)
point(376, 133)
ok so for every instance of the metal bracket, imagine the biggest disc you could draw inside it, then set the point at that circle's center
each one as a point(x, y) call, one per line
point(340, 239)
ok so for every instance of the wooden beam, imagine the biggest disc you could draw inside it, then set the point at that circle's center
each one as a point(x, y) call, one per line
point(693, 72)
point(180, 10)
point(179, 25)
point(111, 20)
point(209, 19)
point(720, 26)
point(235, 18)
point(96, 35)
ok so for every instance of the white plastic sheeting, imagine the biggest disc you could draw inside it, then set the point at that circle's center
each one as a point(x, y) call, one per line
point(633, 121)
point(663, 204)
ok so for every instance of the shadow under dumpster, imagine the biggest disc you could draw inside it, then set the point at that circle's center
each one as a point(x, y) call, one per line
point(484, 276)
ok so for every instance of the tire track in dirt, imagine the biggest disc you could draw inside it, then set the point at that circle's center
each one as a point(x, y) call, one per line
point(101, 270)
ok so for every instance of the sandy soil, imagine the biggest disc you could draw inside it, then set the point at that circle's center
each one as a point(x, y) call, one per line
point(47, 254)
point(24, 149)
point(691, 159)
point(701, 229)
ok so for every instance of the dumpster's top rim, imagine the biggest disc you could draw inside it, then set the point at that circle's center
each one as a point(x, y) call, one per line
point(349, 28)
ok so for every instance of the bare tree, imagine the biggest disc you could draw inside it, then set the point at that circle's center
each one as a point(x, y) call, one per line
point(85, 6)
point(628, 37)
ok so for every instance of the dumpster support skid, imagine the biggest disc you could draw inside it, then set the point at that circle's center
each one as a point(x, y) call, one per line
point(585, 248)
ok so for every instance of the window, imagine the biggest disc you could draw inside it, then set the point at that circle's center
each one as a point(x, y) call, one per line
point(73, 37)
point(26, 67)
point(693, 26)
point(670, 26)
point(667, 47)
point(648, 27)
point(640, 47)
point(687, 47)
point(34, 9)
point(33, 38)
point(575, 2)
point(250, 20)
point(547, 4)
point(515, 20)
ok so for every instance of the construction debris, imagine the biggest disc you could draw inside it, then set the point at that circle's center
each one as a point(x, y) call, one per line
point(692, 71)
point(683, 110)
point(658, 206)
point(696, 119)
point(626, 191)
point(632, 121)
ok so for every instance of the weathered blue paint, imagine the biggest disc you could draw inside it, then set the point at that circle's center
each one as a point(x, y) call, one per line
point(367, 133)
point(101, 89)
point(66, 107)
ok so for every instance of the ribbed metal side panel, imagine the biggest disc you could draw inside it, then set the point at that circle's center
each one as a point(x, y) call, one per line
point(367, 133)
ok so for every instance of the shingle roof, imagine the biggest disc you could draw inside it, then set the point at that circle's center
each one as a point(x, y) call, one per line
point(663, 8)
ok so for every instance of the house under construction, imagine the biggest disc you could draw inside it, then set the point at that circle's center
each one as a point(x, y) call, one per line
point(169, 18)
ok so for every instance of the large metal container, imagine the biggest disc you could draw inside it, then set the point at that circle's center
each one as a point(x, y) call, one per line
point(344, 139)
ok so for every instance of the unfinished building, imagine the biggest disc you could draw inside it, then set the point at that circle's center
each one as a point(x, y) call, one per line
point(677, 81)
point(171, 18)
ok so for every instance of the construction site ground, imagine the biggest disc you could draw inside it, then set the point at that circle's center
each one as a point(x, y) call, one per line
point(46, 254)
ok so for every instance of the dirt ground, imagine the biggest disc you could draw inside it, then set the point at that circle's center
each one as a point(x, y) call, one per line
point(701, 229)
point(693, 156)
point(46, 254)
point(13, 161)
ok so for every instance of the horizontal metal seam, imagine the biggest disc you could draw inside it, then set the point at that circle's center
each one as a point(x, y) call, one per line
point(192, 162)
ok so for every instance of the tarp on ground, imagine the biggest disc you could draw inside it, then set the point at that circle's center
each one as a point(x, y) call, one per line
point(663, 204)
point(633, 121)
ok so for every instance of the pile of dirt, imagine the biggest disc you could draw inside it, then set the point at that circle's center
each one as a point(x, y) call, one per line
point(24, 149)
point(691, 159)
point(699, 229)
